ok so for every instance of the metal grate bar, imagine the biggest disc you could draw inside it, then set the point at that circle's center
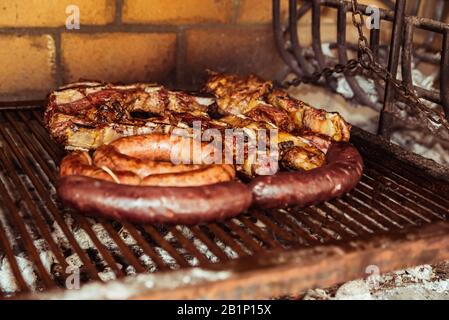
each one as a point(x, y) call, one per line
point(391, 197)
point(227, 240)
point(8, 251)
point(286, 218)
point(354, 228)
point(145, 246)
point(240, 233)
point(124, 249)
point(276, 227)
point(406, 187)
point(368, 211)
point(18, 222)
point(266, 237)
point(338, 232)
point(164, 244)
point(309, 225)
point(104, 252)
point(407, 48)
point(52, 177)
point(51, 206)
point(212, 246)
point(40, 222)
point(366, 222)
point(42, 135)
point(363, 194)
point(186, 243)
point(385, 189)
point(388, 204)
point(444, 73)
point(412, 183)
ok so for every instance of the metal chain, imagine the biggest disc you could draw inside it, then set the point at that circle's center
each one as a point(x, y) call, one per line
point(365, 59)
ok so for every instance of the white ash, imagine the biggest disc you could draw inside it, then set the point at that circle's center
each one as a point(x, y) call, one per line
point(198, 243)
point(226, 249)
point(7, 282)
point(148, 262)
point(107, 274)
point(422, 144)
point(8, 230)
point(245, 229)
point(131, 286)
point(367, 85)
point(420, 282)
point(167, 258)
point(46, 256)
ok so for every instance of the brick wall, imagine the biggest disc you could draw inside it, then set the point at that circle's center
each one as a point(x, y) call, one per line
point(172, 42)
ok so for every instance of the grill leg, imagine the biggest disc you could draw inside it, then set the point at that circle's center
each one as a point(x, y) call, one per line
point(386, 115)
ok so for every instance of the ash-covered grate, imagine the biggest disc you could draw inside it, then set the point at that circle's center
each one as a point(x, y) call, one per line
point(42, 244)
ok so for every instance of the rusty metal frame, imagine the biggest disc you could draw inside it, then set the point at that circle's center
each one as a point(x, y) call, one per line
point(401, 50)
point(284, 273)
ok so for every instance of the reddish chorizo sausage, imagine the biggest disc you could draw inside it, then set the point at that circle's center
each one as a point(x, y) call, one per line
point(341, 173)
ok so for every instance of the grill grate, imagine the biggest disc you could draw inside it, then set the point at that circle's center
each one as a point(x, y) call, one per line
point(40, 240)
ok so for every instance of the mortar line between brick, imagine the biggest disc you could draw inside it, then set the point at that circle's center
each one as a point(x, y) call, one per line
point(118, 12)
point(180, 56)
point(58, 57)
point(235, 11)
point(126, 28)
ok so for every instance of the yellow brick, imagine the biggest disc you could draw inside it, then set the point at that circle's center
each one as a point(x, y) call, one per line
point(27, 64)
point(118, 57)
point(258, 11)
point(49, 13)
point(240, 50)
point(176, 11)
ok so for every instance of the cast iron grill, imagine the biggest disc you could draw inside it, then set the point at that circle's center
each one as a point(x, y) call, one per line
point(393, 196)
point(403, 51)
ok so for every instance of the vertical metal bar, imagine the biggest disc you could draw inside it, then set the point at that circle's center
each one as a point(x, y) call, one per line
point(444, 72)
point(316, 33)
point(316, 40)
point(407, 48)
point(279, 39)
point(297, 50)
point(374, 39)
point(386, 115)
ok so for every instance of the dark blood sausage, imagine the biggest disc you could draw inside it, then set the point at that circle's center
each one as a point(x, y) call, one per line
point(341, 173)
point(184, 205)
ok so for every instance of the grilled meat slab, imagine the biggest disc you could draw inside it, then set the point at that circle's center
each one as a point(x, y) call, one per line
point(86, 115)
